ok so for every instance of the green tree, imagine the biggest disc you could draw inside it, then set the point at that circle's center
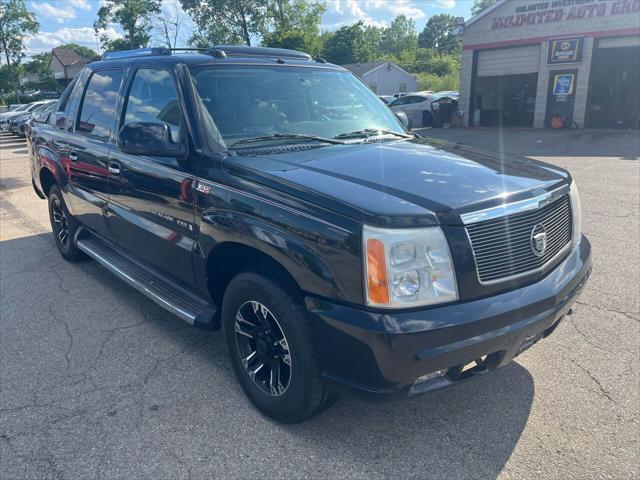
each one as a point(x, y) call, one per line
point(437, 33)
point(353, 43)
point(134, 16)
point(16, 24)
point(400, 38)
point(296, 25)
point(226, 21)
point(480, 5)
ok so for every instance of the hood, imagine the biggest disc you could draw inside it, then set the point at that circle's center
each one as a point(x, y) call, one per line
point(9, 115)
point(422, 181)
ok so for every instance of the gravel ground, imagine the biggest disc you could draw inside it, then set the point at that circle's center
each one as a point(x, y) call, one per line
point(96, 381)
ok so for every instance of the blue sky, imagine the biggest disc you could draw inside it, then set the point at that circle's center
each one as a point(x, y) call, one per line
point(67, 21)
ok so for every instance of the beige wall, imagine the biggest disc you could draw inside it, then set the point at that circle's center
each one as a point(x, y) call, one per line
point(608, 18)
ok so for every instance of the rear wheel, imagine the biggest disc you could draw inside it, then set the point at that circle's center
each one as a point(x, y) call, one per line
point(268, 340)
point(64, 226)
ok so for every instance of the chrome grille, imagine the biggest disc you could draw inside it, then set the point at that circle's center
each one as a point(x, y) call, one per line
point(502, 246)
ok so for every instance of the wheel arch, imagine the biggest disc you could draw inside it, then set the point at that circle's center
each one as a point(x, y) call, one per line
point(47, 180)
point(234, 243)
point(231, 258)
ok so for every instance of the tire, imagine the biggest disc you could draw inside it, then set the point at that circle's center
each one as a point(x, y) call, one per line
point(300, 392)
point(427, 119)
point(64, 226)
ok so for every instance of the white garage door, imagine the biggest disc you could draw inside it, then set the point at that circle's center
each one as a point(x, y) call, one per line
point(619, 42)
point(509, 61)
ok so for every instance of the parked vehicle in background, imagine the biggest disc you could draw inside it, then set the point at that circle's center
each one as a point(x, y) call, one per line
point(425, 110)
point(336, 251)
point(5, 117)
point(387, 99)
point(450, 93)
point(17, 123)
point(400, 94)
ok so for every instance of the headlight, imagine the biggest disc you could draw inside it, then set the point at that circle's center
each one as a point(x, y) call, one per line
point(407, 267)
point(576, 213)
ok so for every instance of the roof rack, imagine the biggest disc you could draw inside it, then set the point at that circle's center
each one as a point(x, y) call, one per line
point(138, 52)
point(246, 51)
point(217, 51)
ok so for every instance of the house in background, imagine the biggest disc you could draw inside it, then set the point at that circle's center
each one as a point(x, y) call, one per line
point(65, 64)
point(384, 77)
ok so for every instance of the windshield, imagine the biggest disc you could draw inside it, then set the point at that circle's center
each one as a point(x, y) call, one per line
point(247, 102)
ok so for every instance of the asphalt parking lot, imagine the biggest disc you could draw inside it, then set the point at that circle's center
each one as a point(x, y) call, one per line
point(96, 381)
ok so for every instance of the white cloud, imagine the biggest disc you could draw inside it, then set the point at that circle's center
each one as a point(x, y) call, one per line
point(86, 36)
point(371, 12)
point(447, 4)
point(60, 14)
point(80, 4)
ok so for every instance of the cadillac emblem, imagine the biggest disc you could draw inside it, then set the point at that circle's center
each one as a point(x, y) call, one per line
point(538, 240)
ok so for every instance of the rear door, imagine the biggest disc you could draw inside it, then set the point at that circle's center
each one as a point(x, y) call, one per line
point(151, 206)
point(87, 150)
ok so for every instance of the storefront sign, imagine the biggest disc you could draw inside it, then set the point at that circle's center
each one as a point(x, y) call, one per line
point(565, 50)
point(563, 84)
point(564, 10)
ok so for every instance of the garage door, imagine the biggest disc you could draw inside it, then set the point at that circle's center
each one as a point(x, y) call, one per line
point(509, 61)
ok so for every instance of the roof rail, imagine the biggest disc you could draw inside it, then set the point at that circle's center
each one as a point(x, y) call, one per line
point(223, 51)
point(138, 52)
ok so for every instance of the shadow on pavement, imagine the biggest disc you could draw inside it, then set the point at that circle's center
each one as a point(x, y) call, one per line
point(467, 431)
point(539, 142)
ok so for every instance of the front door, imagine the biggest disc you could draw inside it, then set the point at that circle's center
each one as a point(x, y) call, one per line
point(85, 154)
point(151, 206)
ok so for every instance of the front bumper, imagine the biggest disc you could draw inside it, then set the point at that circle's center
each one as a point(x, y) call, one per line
point(384, 354)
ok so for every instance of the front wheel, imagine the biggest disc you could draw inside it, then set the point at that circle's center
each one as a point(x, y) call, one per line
point(268, 339)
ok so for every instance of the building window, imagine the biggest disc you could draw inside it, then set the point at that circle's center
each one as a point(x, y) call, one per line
point(373, 87)
point(403, 87)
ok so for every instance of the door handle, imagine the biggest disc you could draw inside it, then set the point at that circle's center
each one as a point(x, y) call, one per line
point(114, 168)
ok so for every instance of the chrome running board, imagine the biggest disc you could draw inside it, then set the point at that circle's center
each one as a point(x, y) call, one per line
point(183, 303)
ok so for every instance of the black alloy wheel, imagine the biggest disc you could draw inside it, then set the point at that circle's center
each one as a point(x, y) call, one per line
point(60, 222)
point(64, 226)
point(268, 336)
point(263, 348)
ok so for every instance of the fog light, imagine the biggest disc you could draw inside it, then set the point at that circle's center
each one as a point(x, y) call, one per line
point(430, 376)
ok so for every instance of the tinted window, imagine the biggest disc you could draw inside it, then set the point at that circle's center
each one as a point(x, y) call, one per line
point(97, 114)
point(246, 102)
point(399, 101)
point(153, 98)
point(64, 98)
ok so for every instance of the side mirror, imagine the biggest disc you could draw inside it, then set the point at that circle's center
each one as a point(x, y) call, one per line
point(403, 119)
point(40, 117)
point(148, 138)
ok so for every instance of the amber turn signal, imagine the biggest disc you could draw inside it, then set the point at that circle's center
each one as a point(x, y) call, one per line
point(377, 282)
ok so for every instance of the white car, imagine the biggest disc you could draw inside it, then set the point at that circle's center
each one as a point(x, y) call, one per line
point(425, 110)
point(417, 107)
point(6, 116)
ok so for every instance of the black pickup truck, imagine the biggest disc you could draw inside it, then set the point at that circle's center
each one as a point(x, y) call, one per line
point(274, 196)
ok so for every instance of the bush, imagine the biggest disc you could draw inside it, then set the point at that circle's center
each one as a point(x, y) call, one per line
point(437, 83)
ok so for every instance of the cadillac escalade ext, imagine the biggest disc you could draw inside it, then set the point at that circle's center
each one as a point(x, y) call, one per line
point(274, 196)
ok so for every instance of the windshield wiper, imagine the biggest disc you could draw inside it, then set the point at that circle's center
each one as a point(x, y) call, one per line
point(370, 132)
point(285, 136)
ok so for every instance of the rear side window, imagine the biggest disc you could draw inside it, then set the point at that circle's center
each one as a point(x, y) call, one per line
point(98, 110)
point(153, 98)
